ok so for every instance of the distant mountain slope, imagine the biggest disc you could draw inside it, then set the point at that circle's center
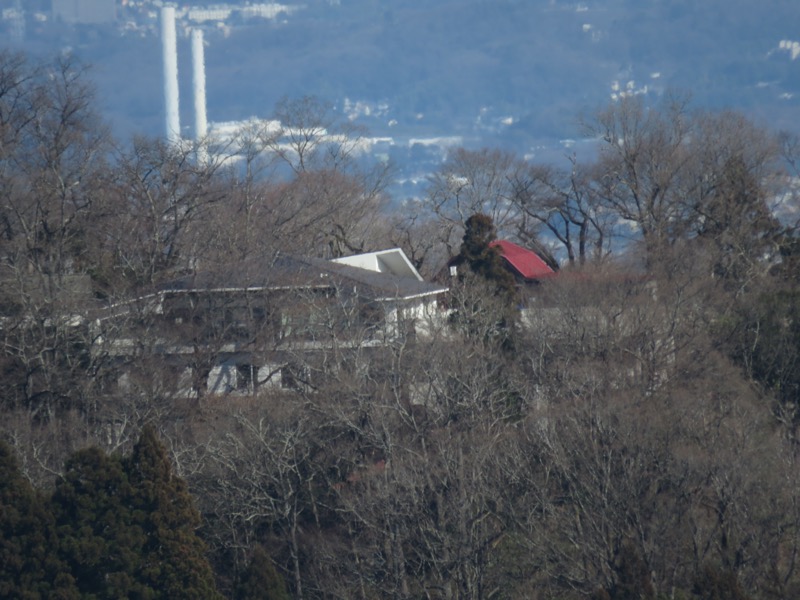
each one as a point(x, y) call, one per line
point(540, 62)
point(497, 71)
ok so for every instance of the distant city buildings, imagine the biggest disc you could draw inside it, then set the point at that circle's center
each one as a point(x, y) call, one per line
point(93, 12)
point(104, 11)
point(137, 15)
point(16, 20)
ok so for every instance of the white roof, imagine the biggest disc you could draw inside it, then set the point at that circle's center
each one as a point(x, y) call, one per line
point(393, 261)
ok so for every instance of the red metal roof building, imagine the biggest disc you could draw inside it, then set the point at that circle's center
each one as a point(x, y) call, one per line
point(524, 263)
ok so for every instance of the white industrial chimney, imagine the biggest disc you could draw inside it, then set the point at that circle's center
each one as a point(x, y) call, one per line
point(169, 47)
point(199, 81)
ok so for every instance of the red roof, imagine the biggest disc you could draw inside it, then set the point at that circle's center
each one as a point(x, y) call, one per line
point(525, 262)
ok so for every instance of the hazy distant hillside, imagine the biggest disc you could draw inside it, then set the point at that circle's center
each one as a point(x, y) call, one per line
point(505, 71)
point(540, 62)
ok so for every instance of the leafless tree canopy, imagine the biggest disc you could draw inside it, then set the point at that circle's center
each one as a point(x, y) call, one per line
point(625, 429)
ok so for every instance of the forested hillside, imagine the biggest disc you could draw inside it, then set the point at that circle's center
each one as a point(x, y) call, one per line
point(112, 528)
point(626, 428)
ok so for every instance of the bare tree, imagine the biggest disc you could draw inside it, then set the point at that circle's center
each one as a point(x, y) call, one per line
point(54, 155)
point(300, 184)
point(566, 204)
point(162, 198)
point(643, 155)
point(675, 174)
point(738, 178)
point(310, 137)
point(473, 182)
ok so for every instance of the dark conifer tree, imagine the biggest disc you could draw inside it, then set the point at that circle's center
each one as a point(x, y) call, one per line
point(485, 260)
point(173, 560)
point(632, 578)
point(29, 563)
point(98, 540)
point(484, 305)
point(712, 583)
point(261, 581)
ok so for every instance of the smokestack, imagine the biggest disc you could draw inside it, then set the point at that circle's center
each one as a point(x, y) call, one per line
point(199, 80)
point(169, 47)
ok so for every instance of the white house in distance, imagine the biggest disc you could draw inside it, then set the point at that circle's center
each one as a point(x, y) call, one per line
point(406, 308)
point(262, 323)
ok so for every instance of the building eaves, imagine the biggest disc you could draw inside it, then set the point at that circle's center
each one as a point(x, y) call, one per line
point(285, 272)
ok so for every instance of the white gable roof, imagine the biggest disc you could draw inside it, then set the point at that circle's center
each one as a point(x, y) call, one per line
point(392, 261)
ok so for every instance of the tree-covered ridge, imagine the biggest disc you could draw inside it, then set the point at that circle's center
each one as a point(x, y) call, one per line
point(32, 567)
point(633, 434)
point(114, 527)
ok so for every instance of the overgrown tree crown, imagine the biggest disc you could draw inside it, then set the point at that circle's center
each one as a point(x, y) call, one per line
point(483, 259)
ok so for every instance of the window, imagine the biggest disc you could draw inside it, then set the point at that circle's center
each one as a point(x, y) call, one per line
point(295, 377)
point(371, 315)
point(245, 380)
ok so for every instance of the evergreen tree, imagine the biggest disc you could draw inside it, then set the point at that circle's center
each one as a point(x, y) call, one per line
point(632, 578)
point(173, 560)
point(484, 303)
point(29, 564)
point(717, 584)
point(98, 540)
point(127, 526)
point(261, 581)
point(485, 260)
